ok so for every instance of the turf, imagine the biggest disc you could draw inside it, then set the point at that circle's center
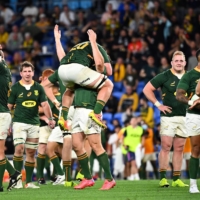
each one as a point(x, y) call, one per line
point(124, 190)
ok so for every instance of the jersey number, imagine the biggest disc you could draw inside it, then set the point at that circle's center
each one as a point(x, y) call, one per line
point(80, 46)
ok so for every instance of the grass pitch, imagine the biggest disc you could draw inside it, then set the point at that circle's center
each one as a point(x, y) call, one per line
point(124, 190)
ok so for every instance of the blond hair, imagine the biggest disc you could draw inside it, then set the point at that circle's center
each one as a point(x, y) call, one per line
point(180, 53)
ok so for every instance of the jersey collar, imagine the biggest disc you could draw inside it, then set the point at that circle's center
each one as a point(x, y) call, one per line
point(23, 83)
point(197, 69)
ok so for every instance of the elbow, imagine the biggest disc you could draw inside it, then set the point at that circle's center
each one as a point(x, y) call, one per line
point(197, 93)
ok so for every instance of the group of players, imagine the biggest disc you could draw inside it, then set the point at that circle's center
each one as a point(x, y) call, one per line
point(77, 93)
point(180, 115)
point(72, 116)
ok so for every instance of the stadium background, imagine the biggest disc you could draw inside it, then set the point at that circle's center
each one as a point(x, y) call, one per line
point(132, 32)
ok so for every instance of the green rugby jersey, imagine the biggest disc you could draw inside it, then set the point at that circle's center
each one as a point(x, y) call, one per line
point(85, 97)
point(168, 82)
point(54, 78)
point(5, 78)
point(82, 54)
point(26, 102)
point(188, 83)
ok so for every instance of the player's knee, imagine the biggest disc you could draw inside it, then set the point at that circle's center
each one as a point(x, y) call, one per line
point(42, 148)
point(166, 146)
point(196, 150)
point(19, 149)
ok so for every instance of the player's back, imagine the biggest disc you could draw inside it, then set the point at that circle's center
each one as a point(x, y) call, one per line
point(80, 53)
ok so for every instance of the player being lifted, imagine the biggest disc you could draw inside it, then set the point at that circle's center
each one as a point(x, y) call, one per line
point(84, 65)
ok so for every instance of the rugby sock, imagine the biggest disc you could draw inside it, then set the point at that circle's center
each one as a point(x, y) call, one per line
point(9, 167)
point(104, 163)
point(65, 111)
point(2, 170)
point(176, 175)
point(99, 106)
point(83, 161)
point(29, 167)
point(56, 163)
point(40, 165)
point(162, 173)
point(67, 167)
point(18, 162)
point(193, 167)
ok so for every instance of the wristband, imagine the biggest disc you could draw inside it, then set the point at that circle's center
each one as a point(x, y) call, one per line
point(190, 102)
point(51, 118)
point(157, 104)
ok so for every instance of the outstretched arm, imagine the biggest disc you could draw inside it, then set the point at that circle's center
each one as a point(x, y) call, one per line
point(98, 58)
point(59, 49)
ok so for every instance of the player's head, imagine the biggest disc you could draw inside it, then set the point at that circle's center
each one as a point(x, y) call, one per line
point(45, 74)
point(198, 55)
point(178, 61)
point(27, 71)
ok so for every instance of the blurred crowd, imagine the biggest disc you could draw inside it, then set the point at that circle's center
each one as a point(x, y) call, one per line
point(139, 35)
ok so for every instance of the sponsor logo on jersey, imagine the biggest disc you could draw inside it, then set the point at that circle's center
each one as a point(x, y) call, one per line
point(36, 92)
point(29, 94)
point(20, 95)
point(29, 104)
point(172, 84)
point(84, 81)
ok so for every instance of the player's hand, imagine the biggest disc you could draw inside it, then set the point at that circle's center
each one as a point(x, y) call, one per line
point(92, 35)
point(56, 103)
point(51, 123)
point(57, 32)
point(63, 124)
point(165, 109)
point(196, 102)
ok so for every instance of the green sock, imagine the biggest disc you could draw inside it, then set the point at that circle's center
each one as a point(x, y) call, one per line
point(67, 167)
point(65, 111)
point(104, 163)
point(193, 167)
point(56, 163)
point(83, 160)
point(176, 175)
point(99, 106)
point(9, 167)
point(40, 165)
point(162, 173)
point(2, 170)
point(29, 167)
point(18, 162)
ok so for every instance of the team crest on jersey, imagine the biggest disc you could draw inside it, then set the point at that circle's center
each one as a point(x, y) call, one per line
point(36, 92)
point(172, 84)
point(29, 94)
